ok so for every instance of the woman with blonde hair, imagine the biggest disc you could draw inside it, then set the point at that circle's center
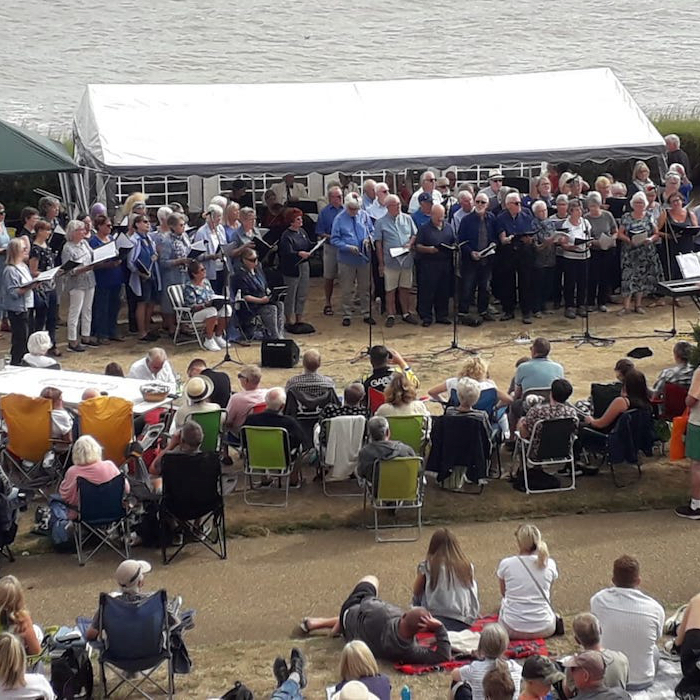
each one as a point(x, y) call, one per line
point(14, 616)
point(526, 582)
point(135, 203)
point(493, 643)
point(357, 663)
point(640, 176)
point(445, 584)
point(475, 368)
point(14, 682)
point(400, 398)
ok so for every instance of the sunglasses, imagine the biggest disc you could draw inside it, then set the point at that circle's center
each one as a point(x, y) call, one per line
point(430, 180)
point(482, 201)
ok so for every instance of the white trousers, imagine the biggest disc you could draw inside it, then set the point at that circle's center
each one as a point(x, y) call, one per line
point(80, 307)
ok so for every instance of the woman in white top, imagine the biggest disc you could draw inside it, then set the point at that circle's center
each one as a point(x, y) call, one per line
point(526, 581)
point(475, 368)
point(445, 584)
point(15, 684)
point(400, 397)
point(493, 643)
point(576, 258)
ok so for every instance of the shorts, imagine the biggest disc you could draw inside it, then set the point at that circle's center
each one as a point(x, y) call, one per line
point(330, 261)
point(210, 312)
point(398, 277)
point(363, 590)
point(150, 294)
point(692, 442)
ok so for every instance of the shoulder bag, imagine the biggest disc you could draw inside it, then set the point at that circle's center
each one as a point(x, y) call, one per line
point(559, 620)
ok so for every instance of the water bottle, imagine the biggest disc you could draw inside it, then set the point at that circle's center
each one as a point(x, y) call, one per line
point(405, 693)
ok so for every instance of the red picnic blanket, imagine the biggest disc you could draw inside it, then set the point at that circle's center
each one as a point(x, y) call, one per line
point(517, 649)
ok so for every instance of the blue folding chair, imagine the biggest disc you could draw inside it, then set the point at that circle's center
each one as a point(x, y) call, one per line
point(134, 642)
point(488, 399)
point(102, 515)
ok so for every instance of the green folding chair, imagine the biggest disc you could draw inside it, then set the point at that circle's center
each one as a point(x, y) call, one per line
point(397, 484)
point(266, 455)
point(411, 430)
point(210, 422)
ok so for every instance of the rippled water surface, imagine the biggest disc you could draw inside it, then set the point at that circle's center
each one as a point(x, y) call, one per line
point(51, 48)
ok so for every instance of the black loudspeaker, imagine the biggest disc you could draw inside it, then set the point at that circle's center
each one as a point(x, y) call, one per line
point(279, 353)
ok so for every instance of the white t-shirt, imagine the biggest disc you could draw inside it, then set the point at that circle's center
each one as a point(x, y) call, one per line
point(474, 673)
point(141, 370)
point(580, 230)
point(452, 383)
point(523, 608)
point(36, 688)
point(631, 622)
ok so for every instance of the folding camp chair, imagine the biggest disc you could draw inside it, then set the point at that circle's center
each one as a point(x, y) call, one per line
point(102, 515)
point(184, 316)
point(396, 484)
point(29, 449)
point(411, 430)
point(345, 453)
point(193, 498)
point(210, 422)
point(135, 643)
point(375, 399)
point(307, 408)
point(673, 400)
point(487, 402)
point(266, 455)
point(602, 395)
point(555, 449)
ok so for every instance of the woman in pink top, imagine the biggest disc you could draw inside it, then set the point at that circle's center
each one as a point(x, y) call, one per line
point(88, 464)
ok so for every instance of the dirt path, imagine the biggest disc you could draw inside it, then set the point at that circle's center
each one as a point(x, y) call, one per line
point(248, 606)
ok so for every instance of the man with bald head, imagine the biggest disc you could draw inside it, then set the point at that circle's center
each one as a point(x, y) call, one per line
point(386, 629)
point(310, 381)
point(427, 184)
point(434, 246)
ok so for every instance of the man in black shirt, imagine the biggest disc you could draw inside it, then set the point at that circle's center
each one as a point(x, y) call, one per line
point(272, 417)
point(675, 154)
point(220, 380)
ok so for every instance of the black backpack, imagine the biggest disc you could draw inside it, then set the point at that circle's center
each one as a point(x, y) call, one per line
point(238, 692)
point(71, 674)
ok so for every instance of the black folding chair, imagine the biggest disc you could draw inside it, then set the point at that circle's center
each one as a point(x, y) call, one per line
point(193, 498)
point(135, 642)
point(307, 408)
point(102, 515)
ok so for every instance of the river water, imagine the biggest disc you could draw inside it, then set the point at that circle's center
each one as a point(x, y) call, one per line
point(52, 48)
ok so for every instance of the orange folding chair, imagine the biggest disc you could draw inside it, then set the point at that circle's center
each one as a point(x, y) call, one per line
point(110, 421)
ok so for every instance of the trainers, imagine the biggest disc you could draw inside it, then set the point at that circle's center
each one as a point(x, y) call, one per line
point(220, 341)
point(410, 318)
point(297, 665)
point(426, 322)
point(590, 309)
point(527, 319)
point(280, 670)
point(570, 313)
point(688, 512)
point(211, 345)
point(507, 317)
point(603, 309)
point(369, 321)
point(581, 311)
point(390, 320)
point(488, 316)
point(670, 651)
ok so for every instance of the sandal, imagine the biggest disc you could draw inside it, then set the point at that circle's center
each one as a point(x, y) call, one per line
point(327, 310)
point(304, 625)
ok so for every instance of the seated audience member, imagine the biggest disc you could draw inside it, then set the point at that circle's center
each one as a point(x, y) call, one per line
point(467, 395)
point(114, 369)
point(61, 420)
point(38, 344)
point(89, 393)
point(379, 447)
point(353, 398)
point(475, 368)
point(538, 372)
point(525, 580)
point(154, 367)
point(622, 366)
point(242, 402)
point(385, 362)
point(631, 622)
point(588, 671)
point(88, 464)
point(291, 679)
point(556, 407)
point(220, 380)
point(539, 675)
point(400, 399)
point(445, 584)
point(310, 381)
point(187, 441)
point(357, 663)
point(199, 296)
point(197, 392)
point(272, 417)
point(634, 395)
point(493, 643)
point(388, 631)
point(687, 646)
point(498, 684)
point(680, 373)
point(587, 633)
point(14, 682)
point(14, 616)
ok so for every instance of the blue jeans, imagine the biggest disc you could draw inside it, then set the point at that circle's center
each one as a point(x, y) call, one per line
point(289, 690)
point(105, 309)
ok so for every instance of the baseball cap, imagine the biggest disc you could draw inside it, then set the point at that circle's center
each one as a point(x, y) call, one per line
point(541, 668)
point(495, 174)
point(128, 572)
point(425, 197)
point(590, 661)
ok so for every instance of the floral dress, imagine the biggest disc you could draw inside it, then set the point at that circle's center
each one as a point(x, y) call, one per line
point(641, 267)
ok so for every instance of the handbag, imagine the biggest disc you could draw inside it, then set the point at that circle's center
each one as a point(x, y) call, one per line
point(676, 448)
point(558, 619)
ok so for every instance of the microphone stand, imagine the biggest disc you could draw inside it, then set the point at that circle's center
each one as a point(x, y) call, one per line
point(365, 353)
point(227, 296)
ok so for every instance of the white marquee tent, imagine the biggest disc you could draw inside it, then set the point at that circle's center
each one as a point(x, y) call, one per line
point(205, 130)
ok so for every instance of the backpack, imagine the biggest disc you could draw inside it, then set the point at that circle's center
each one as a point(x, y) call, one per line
point(238, 692)
point(71, 674)
point(60, 528)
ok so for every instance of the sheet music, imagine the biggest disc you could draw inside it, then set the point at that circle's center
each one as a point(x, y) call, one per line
point(605, 242)
point(105, 252)
point(689, 264)
point(398, 251)
point(639, 238)
point(123, 242)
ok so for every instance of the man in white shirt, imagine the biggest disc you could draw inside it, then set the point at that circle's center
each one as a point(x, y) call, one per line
point(288, 190)
point(427, 184)
point(155, 367)
point(631, 622)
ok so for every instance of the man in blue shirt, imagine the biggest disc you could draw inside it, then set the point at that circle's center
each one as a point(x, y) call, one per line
point(396, 230)
point(422, 215)
point(330, 253)
point(516, 256)
point(351, 235)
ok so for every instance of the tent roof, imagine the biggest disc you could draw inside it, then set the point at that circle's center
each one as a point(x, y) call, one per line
point(23, 151)
point(324, 127)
